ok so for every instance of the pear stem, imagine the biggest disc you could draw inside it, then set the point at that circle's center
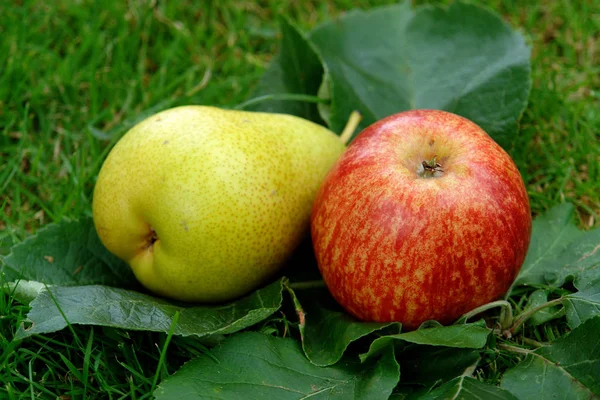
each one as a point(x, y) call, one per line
point(351, 126)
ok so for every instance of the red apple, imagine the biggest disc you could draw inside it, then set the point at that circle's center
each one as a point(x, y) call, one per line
point(423, 217)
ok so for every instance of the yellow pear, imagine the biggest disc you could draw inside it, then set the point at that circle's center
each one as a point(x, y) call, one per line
point(206, 204)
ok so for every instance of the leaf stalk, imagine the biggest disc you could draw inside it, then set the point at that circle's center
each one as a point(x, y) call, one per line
point(281, 97)
point(499, 303)
point(525, 315)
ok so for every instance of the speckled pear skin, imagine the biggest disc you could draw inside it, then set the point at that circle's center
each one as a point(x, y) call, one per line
point(206, 204)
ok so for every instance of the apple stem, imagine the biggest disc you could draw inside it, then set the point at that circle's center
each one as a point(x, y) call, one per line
point(431, 167)
point(351, 126)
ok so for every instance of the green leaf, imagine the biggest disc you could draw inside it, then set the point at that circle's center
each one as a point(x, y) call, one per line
point(463, 59)
point(429, 365)
point(66, 254)
point(568, 368)
point(551, 234)
point(255, 366)
point(472, 336)
point(297, 69)
point(558, 250)
point(468, 388)
point(327, 333)
point(536, 299)
point(126, 309)
point(25, 291)
point(583, 305)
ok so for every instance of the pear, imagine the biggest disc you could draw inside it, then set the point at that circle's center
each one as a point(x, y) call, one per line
point(206, 204)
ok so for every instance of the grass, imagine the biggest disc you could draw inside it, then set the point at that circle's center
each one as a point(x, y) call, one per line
point(76, 75)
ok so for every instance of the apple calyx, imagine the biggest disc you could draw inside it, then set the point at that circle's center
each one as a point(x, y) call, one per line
point(430, 168)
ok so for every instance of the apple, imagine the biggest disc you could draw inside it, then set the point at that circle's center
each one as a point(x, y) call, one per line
point(206, 204)
point(424, 217)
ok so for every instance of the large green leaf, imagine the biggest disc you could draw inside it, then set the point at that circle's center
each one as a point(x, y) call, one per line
point(551, 234)
point(469, 336)
point(466, 388)
point(70, 278)
point(127, 309)
point(537, 299)
point(327, 333)
point(429, 365)
point(255, 366)
point(297, 69)
point(462, 59)
point(583, 305)
point(66, 254)
point(568, 368)
point(559, 250)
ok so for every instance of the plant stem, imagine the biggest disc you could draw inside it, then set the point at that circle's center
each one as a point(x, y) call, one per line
point(299, 310)
point(306, 285)
point(430, 168)
point(524, 316)
point(499, 303)
point(63, 315)
point(506, 317)
point(281, 97)
point(163, 351)
point(350, 127)
point(514, 349)
point(532, 343)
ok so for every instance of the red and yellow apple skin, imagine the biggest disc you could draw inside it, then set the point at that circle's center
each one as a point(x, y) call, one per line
point(399, 241)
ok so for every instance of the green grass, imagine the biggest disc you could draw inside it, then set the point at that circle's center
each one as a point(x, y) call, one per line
point(75, 76)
